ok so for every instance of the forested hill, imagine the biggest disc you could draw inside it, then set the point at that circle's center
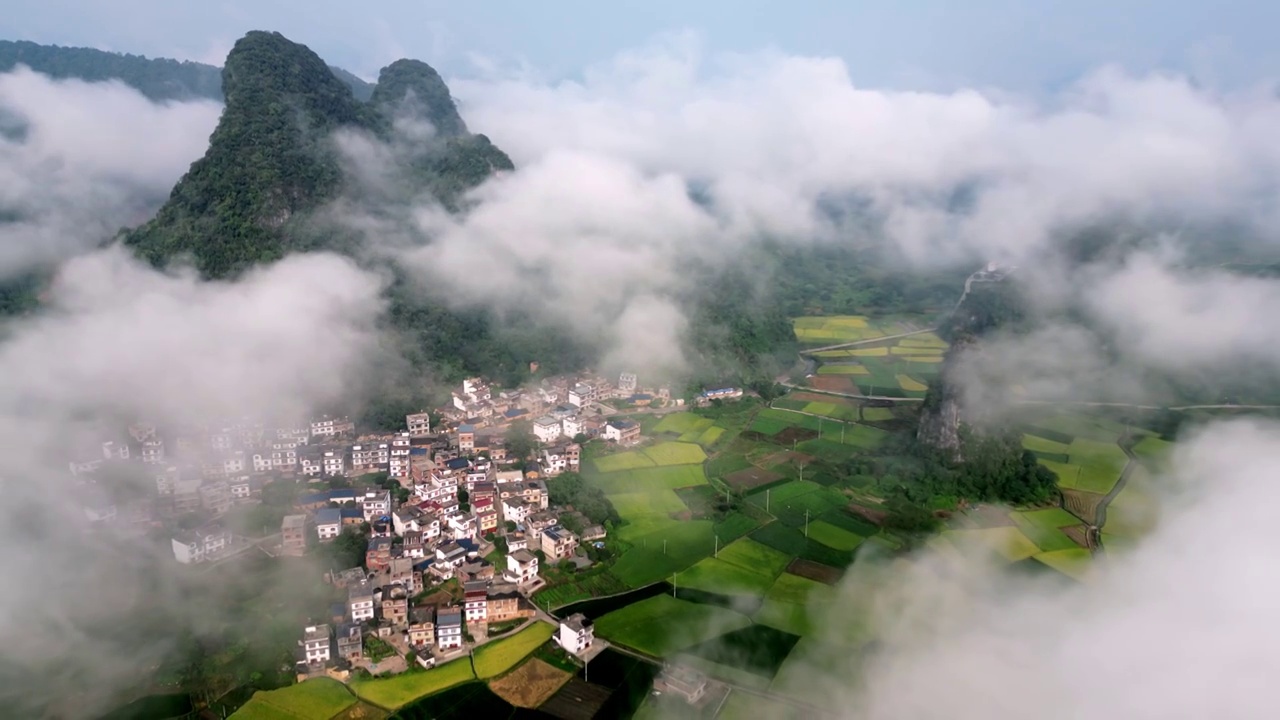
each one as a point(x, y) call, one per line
point(271, 160)
point(157, 78)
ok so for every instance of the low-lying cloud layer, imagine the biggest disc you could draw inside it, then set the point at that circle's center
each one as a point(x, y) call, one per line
point(79, 161)
point(1178, 628)
point(118, 342)
point(666, 155)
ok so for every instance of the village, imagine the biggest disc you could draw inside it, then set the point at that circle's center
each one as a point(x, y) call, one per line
point(453, 512)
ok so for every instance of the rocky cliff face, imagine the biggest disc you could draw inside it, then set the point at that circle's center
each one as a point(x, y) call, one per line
point(943, 412)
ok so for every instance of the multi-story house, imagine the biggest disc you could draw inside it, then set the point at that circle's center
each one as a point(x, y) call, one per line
point(522, 568)
point(413, 547)
point(112, 450)
point(559, 543)
point(504, 605)
point(334, 461)
point(546, 429)
point(360, 601)
point(215, 497)
point(626, 384)
point(622, 431)
point(399, 457)
point(422, 627)
point(449, 629)
point(582, 394)
point(572, 425)
point(400, 573)
point(576, 633)
point(329, 427)
point(198, 545)
point(419, 424)
point(370, 457)
point(166, 479)
point(153, 450)
point(395, 606)
point(486, 514)
point(316, 644)
point(186, 494)
point(515, 509)
point(376, 504)
point(350, 642)
point(475, 602)
point(241, 487)
point(378, 555)
point(328, 523)
point(293, 535)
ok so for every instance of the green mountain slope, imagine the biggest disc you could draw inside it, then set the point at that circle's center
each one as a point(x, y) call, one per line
point(271, 160)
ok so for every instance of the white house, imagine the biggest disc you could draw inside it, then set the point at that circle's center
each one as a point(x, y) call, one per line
point(476, 601)
point(360, 602)
point(449, 629)
point(576, 634)
point(195, 546)
point(328, 523)
point(573, 425)
point(316, 644)
point(622, 431)
point(335, 462)
point(546, 429)
point(328, 427)
point(153, 451)
point(376, 504)
point(399, 463)
point(522, 568)
point(515, 509)
point(626, 384)
point(582, 395)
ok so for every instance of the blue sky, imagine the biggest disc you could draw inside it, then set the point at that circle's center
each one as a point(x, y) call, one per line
point(1022, 45)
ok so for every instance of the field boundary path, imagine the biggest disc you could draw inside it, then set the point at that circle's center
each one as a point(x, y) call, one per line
point(799, 704)
point(1100, 514)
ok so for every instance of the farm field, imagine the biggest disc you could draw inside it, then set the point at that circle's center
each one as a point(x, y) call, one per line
point(681, 423)
point(1100, 464)
point(1074, 562)
point(1007, 542)
point(315, 698)
point(675, 453)
point(833, 537)
point(649, 561)
point(713, 575)
point(1133, 512)
point(531, 684)
point(1043, 527)
point(495, 658)
point(629, 460)
point(753, 556)
point(650, 479)
point(662, 625)
point(400, 690)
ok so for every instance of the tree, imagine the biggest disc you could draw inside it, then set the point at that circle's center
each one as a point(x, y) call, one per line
point(581, 438)
point(520, 441)
point(464, 499)
point(510, 526)
point(348, 549)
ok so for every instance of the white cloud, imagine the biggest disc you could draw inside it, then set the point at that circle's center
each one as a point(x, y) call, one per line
point(83, 160)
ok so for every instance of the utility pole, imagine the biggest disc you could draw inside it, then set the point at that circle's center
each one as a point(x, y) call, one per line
point(802, 471)
point(716, 554)
point(674, 576)
point(664, 547)
point(842, 427)
point(766, 498)
point(806, 523)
